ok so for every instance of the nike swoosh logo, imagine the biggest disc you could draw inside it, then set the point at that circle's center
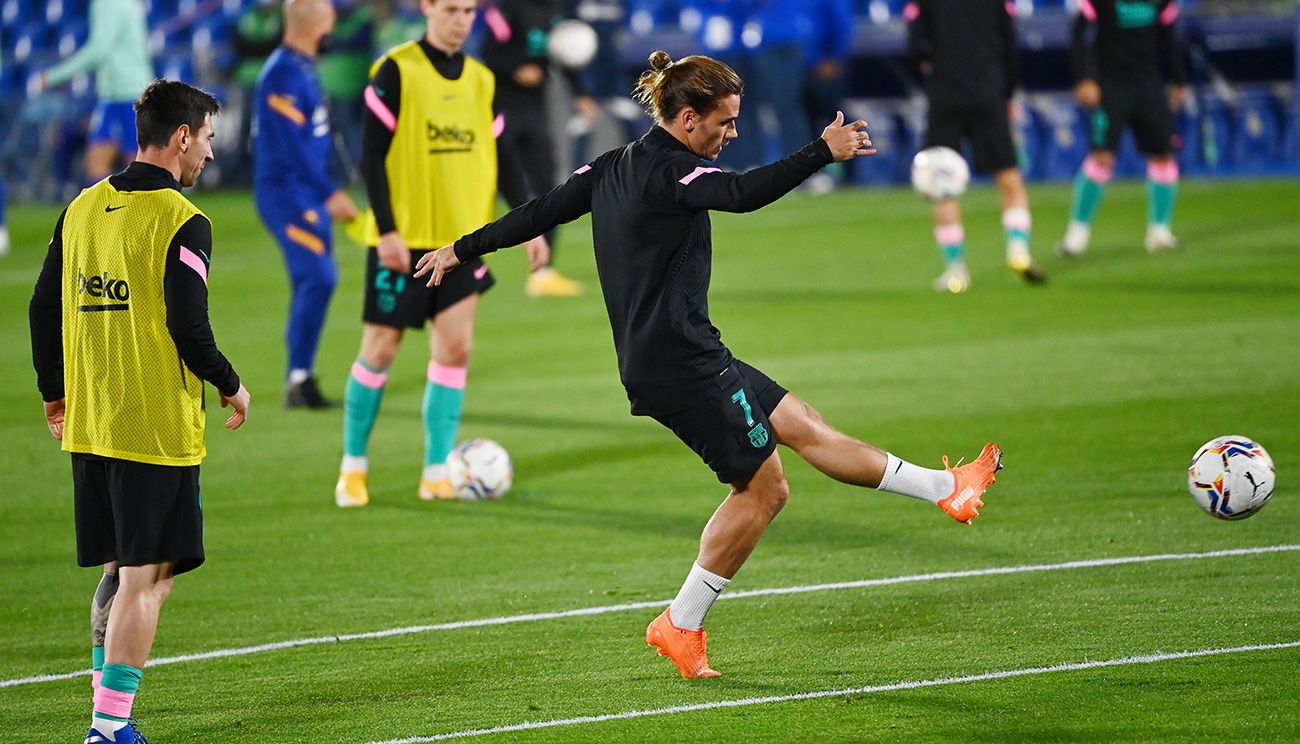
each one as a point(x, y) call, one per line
point(114, 209)
point(710, 586)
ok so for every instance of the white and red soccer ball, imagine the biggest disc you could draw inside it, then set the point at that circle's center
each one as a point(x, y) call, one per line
point(1231, 477)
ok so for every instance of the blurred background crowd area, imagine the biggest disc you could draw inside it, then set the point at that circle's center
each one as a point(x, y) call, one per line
point(801, 60)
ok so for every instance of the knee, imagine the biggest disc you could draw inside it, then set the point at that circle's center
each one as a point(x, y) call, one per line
point(800, 428)
point(776, 496)
point(454, 352)
point(163, 589)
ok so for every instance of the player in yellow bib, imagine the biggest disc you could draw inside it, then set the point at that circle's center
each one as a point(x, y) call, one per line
point(122, 346)
point(429, 163)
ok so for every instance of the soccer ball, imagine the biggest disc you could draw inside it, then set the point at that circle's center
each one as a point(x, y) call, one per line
point(940, 173)
point(480, 470)
point(1231, 477)
point(572, 44)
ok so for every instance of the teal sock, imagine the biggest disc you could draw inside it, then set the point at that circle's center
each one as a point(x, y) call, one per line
point(1161, 196)
point(1087, 196)
point(442, 409)
point(952, 252)
point(97, 659)
point(361, 397)
point(118, 678)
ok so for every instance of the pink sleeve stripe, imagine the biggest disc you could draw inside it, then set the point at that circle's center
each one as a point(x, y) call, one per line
point(582, 170)
point(686, 180)
point(192, 260)
point(1087, 11)
point(1169, 14)
point(498, 126)
point(1011, 8)
point(372, 380)
point(498, 24)
point(911, 12)
point(451, 377)
point(381, 112)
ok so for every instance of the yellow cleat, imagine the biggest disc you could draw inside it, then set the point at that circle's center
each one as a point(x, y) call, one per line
point(351, 489)
point(684, 648)
point(548, 282)
point(439, 490)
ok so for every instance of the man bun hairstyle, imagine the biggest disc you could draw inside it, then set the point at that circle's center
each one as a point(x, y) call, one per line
point(696, 81)
point(167, 104)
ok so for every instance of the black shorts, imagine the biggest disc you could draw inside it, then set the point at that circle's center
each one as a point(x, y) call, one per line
point(1139, 104)
point(729, 429)
point(136, 513)
point(393, 299)
point(986, 129)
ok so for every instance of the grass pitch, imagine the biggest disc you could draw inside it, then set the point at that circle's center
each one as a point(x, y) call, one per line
point(1099, 386)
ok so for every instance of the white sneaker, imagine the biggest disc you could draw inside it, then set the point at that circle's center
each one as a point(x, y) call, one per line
point(955, 279)
point(1075, 242)
point(1160, 238)
point(4, 240)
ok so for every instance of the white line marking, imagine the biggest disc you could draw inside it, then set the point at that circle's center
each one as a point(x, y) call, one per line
point(1148, 659)
point(658, 603)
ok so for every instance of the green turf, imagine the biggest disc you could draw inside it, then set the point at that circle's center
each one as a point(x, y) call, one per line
point(1099, 387)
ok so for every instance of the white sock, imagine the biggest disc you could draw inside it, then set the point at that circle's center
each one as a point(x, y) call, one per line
point(107, 725)
point(434, 473)
point(298, 375)
point(353, 463)
point(698, 593)
point(903, 477)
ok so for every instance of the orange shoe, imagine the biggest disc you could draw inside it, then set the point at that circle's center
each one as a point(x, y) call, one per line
point(969, 483)
point(685, 648)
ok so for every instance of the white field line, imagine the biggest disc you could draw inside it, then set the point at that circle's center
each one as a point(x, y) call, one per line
point(657, 603)
point(892, 687)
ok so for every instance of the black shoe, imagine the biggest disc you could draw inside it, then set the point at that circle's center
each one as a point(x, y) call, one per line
point(305, 394)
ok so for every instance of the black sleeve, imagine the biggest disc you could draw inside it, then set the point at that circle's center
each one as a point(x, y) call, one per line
point(919, 46)
point(511, 181)
point(1010, 50)
point(376, 140)
point(1173, 49)
point(700, 187)
point(45, 316)
point(185, 292)
point(565, 203)
point(1083, 60)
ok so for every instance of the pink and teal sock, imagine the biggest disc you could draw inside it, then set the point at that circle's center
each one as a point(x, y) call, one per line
point(1162, 191)
point(444, 398)
point(361, 397)
point(115, 696)
point(951, 240)
point(1089, 186)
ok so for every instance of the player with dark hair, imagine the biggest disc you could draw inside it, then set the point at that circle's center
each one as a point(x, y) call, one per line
point(429, 165)
point(968, 53)
point(1117, 49)
point(122, 346)
point(650, 203)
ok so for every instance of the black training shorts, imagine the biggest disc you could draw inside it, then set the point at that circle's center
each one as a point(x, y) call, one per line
point(1140, 104)
point(729, 427)
point(401, 301)
point(986, 129)
point(136, 513)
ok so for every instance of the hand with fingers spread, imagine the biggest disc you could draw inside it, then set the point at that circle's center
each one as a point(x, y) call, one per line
point(847, 141)
point(436, 264)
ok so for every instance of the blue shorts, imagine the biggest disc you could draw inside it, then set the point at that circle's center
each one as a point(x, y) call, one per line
point(114, 122)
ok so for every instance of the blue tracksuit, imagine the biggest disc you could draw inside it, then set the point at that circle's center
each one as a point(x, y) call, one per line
point(291, 181)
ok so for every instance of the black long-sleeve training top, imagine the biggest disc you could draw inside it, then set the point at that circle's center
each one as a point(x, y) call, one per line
point(1118, 41)
point(971, 47)
point(649, 202)
point(185, 296)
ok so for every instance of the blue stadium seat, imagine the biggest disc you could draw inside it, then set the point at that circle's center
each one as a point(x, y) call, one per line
point(1216, 134)
point(892, 141)
point(72, 34)
point(1257, 144)
point(32, 39)
point(1063, 135)
point(15, 13)
point(1188, 126)
point(176, 66)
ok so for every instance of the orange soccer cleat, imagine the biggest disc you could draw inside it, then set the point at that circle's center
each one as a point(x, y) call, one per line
point(685, 648)
point(969, 483)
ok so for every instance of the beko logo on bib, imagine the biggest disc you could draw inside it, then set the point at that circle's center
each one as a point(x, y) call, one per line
point(103, 285)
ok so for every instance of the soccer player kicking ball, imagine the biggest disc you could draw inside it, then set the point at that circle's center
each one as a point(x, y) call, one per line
point(1115, 52)
point(650, 203)
point(122, 346)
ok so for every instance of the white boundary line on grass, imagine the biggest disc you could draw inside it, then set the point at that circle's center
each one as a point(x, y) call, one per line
point(892, 687)
point(657, 603)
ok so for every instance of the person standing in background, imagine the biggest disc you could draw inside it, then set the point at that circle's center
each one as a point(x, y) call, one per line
point(515, 51)
point(117, 51)
point(826, 82)
point(969, 57)
point(344, 66)
point(295, 195)
point(257, 33)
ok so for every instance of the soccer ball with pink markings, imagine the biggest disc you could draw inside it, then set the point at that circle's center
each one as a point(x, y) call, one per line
point(480, 470)
point(1231, 477)
point(940, 173)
